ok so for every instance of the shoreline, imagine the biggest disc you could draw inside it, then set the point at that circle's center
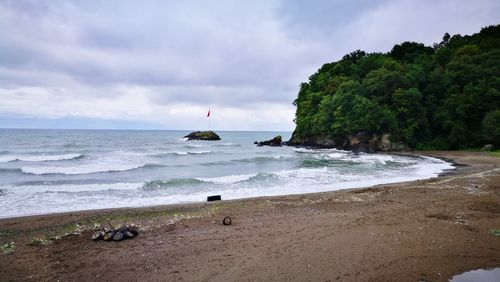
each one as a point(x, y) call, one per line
point(416, 154)
point(427, 229)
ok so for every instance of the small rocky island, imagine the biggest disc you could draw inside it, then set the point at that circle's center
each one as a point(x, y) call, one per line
point(203, 135)
point(276, 142)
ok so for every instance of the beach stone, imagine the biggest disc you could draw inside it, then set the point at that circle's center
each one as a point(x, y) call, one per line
point(203, 135)
point(488, 148)
point(276, 142)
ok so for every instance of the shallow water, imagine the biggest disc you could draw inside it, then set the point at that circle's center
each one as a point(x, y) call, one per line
point(47, 171)
point(483, 275)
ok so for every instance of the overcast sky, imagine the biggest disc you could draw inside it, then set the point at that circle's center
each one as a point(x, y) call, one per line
point(163, 64)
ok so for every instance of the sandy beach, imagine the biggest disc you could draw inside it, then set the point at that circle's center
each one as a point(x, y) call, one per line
point(427, 230)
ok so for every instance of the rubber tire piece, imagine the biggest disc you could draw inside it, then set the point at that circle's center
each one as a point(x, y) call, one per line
point(109, 236)
point(97, 236)
point(118, 236)
point(128, 234)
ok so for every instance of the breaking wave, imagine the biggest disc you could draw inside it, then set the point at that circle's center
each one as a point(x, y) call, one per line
point(181, 153)
point(111, 162)
point(73, 188)
point(228, 179)
point(39, 158)
point(159, 184)
point(262, 159)
point(80, 169)
point(227, 145)
point(175, 182)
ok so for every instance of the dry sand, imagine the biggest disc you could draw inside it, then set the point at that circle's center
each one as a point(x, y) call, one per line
point(423, 230)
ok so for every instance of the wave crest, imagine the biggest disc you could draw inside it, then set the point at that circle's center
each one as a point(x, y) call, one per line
point(82, 169)
point(39, 158)
point(174, 182)
point(228, 179)
point(227, 145)
point(262, 159)
point(112, 162)
point(181, 153)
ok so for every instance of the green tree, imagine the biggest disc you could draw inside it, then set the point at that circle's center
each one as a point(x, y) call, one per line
point(491, 127)
point(445, 97)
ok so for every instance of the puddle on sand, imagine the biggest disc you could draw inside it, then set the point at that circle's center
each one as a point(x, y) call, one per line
point(483, 275)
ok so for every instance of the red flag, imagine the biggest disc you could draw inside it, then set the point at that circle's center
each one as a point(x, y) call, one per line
point(208, 115)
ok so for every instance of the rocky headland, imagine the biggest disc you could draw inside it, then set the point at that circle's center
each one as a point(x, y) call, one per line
point(359, 142)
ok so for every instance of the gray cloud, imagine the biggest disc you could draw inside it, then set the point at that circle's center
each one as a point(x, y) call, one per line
point(139, 60)
point(320, 18)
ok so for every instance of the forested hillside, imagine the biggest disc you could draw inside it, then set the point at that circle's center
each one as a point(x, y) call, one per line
point(445, 96)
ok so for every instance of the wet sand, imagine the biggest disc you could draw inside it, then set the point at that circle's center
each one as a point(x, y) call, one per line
point(422, 230)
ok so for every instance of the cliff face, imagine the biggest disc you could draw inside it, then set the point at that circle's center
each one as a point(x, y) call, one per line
point(359, 142)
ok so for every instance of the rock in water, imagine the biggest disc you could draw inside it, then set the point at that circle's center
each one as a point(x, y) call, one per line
point(276, 141)
point(203, 135)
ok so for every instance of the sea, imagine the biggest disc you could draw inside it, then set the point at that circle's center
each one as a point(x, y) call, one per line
point(52, 171)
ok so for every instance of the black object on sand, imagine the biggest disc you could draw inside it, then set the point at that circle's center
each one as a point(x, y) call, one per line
point(226, 220)
point(109, 235)
point(97, 236)
point(214, 198)
point(118, 236)
point(128, 231)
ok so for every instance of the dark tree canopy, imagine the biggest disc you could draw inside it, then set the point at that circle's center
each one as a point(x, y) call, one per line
point(441, 97)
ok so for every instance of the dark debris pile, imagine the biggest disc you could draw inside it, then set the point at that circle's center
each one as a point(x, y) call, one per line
point(116, 234)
